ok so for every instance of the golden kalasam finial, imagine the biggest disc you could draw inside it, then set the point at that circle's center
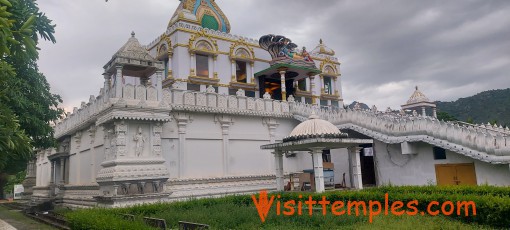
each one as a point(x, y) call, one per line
point(320, 41)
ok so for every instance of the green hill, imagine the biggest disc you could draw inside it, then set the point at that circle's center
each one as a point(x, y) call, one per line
point(489, 106)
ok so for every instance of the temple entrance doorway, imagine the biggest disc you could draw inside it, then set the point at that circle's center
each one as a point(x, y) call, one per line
point(367, 165)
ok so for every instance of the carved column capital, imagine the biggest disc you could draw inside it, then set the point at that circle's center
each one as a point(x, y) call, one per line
point(182, 120)
point(225, 122)
point(272, 124)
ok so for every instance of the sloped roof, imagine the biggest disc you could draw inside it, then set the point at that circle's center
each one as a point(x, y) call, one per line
point(417, 97)
point(134, 50)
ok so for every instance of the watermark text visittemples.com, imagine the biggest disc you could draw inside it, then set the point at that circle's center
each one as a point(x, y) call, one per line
point(265, 202)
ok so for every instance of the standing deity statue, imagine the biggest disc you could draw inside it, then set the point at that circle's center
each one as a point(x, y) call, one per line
point(140, 139)
point(306, 55)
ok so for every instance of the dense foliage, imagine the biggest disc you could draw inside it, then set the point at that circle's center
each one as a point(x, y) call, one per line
point(489, 106)
point(239, 212)
point(444, 116)
point(27, 107)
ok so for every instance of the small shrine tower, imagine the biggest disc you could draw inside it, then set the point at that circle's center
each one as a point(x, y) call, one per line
point(419, 101)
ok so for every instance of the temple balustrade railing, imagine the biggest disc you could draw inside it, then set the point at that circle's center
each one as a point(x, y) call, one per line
point(490, 144)
point(132, 96)
point(211, 102)
point(143, 99)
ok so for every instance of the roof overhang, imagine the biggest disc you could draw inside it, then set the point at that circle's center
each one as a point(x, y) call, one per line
point(293, 71)
point(320, 142)
point(419, 104)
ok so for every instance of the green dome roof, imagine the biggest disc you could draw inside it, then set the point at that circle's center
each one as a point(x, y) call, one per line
point(210, 22)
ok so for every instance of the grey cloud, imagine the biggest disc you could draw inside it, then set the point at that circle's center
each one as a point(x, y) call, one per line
point(450, 48)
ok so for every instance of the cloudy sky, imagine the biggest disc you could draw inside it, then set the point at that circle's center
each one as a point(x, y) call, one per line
point(450, 49)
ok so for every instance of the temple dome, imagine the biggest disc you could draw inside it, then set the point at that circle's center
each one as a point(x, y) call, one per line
point(323, 49)
point(205, 13)
point(417, 97)
point(314, 127)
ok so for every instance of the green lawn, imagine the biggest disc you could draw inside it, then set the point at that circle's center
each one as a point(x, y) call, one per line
point(20, 221)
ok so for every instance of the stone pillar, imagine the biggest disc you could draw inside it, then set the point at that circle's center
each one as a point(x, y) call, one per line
point(233, 70)
point(423, 112)
point(278, 162)
point(214, 68)
point(52, 178)
point(62, 170)
point(356, 167)
point(120, 140)
point(193, 64)
point(182, 119)
point(318, 169)
point(157, 129)
point(312, 88)
point(284, 90)
point(169, 65)
point(159, 84)
point(118, 82)
point(334, 87)
point(322, 86)
point(434, 113)
point(252, 73)
point(115, 190)
point(225, 123)
point(106, 86)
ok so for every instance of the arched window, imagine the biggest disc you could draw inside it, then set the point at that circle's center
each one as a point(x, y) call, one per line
point(163, 52)
point(203, 53)
point(328, 74)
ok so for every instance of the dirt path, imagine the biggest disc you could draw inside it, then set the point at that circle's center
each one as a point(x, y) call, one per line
point(20, 221)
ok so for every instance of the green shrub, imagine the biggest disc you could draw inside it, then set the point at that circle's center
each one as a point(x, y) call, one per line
point(239, 212)
point(101, 219)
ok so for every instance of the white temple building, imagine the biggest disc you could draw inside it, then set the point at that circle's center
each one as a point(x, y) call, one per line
point(200, 112)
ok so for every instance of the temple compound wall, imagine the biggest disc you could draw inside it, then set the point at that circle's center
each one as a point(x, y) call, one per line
point(395, 168)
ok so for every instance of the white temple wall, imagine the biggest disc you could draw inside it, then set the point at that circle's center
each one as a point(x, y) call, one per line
point(85, 174)
point(181, 63)
point(170, 154)
point(203, 158)
point(246, 158)
point(43, 176)
point(419, 169)
point(98, 158)
point(340, 160)
point(74, 172)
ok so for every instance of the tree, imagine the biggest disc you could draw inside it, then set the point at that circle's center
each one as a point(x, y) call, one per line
point(444, 116)
point(470, 120)
point(27, 107)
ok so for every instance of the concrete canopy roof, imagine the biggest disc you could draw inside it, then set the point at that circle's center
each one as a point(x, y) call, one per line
point(316, 133)
point(318, 142)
